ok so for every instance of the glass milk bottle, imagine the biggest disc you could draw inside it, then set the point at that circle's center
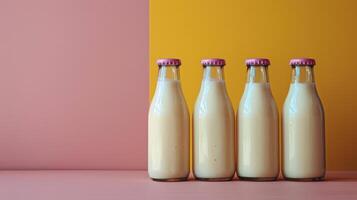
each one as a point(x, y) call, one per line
point(213, 126)
point(303, 126)
point(169, 128)
point(258, 126)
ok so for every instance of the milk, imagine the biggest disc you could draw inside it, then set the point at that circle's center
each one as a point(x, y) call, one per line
point(213, 132)
point(168, 134)
point(303, 133)
point(258, 147)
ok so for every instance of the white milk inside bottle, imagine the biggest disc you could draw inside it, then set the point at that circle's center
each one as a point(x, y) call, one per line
point(213, 126)
point(303, 126)
point(258, 126)
point(168, 127)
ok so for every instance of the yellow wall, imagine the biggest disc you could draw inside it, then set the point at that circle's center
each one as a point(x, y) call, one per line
point(279, 30)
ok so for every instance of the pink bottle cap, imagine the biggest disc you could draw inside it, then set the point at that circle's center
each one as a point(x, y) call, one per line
point(213, 62)
point(302, 61)
point(257, 62)
point(168, 62)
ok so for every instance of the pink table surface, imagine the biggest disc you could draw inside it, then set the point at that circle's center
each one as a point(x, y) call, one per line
point(80, 184)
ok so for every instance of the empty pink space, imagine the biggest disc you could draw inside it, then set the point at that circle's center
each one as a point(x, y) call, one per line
point(74, 84)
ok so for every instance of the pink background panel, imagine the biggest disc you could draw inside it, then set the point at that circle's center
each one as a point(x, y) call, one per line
point(73, 84)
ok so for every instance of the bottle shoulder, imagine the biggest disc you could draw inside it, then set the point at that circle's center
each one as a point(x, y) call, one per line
point(213, 92)
point(168, 99)
point(303, 98)
point(257, 95)
point(302, 93)
point(213, 104)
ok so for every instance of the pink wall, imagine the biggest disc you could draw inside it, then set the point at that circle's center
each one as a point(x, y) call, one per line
point(73, 83)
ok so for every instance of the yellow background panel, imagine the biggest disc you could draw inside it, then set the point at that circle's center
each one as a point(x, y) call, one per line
point(278, 30)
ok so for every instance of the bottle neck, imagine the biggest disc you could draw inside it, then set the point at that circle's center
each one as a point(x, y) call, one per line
point(302, 74)
point(169, 73)
point(257, 74)
point(213, 73)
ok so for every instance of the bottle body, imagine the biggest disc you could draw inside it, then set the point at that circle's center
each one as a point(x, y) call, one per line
point(168, 133)
point(258, 133)
point(213, 131)
point(258, 129)
point(303, 132)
